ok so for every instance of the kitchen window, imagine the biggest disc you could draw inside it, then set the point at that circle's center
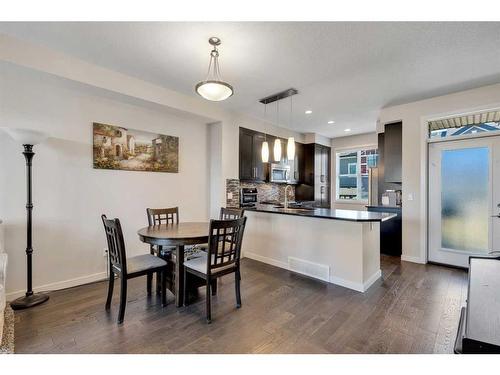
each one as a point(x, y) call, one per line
point(352, 168)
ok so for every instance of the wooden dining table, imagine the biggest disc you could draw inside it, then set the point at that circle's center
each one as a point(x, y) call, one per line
point(178, 235)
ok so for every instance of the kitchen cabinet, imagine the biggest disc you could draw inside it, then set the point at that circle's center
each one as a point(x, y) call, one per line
point(295, 164)
point(251, 167)
point(322, 176)
point(390, 230)
point(250, 156)
point(393, 152)
point(315, 175)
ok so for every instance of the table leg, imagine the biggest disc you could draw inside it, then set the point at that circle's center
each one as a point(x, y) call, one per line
point(179, 275)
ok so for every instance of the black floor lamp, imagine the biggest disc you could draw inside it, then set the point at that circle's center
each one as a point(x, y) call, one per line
point(28, 138)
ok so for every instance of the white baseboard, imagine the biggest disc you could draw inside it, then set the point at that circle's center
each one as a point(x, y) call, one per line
point(368, 283)
point(359, 287)
point(60, 285)
point(263, 259)
point(409, 258)
point(347, 284)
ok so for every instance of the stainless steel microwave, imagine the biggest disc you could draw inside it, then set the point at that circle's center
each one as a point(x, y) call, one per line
point(279, 173)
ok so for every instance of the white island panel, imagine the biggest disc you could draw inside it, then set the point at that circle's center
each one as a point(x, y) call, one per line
point(349, 251)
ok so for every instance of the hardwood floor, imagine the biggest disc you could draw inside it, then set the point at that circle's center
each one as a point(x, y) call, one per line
point(414, 309)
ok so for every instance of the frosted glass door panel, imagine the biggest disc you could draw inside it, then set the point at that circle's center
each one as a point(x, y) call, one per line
point(465, 175)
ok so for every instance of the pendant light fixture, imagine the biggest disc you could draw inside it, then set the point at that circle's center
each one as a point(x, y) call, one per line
point(277, 141)
point(265, 144)
point(265, 152)
point(277, 149)
point(213, 88)
point(290, 147)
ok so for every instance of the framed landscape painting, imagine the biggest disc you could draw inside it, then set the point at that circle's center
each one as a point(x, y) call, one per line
point(121, 148)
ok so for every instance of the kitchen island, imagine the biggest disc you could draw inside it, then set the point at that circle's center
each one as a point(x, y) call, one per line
point(337, 246)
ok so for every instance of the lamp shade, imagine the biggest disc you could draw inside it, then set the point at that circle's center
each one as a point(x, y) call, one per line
point(290, 148)
point(215, 91)
point(265, 152)
point(277, 149)
point(26, 136)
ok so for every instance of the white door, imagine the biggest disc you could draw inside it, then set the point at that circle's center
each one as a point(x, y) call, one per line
point(464, 193)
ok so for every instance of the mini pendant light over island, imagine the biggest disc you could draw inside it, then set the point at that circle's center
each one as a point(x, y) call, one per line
point(265, 152)
point(290, 148)
point(277, 149)
point(213, 88)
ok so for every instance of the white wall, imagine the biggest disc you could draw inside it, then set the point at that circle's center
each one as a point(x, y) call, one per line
point(69, 195)
point(414, 169)
point(347, 143)
point(317, 138)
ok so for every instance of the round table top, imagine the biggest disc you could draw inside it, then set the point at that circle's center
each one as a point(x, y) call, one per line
point(176, 234)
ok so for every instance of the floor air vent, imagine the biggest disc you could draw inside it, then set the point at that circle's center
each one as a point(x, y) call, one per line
point(316, 270)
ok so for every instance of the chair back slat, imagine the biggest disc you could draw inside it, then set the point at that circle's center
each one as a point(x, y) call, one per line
point(224, 243)
point(157, 216)
point(230, 213)
point(116, 244)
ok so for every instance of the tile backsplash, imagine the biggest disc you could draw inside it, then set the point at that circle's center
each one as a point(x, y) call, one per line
point(265, 191)
point(233, 187)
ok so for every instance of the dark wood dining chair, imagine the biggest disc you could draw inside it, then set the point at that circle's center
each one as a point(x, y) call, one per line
point(128, 268)
point(225, 214)
point(222, 258)
point(230, 213)
point(157, 216)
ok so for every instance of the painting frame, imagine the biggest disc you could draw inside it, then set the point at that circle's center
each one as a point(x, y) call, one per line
point(121, 148)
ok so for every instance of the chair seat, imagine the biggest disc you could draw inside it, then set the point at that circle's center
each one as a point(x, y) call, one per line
point(144, 262)
point(199, 264)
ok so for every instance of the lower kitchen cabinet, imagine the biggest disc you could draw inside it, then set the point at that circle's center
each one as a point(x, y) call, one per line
point(390, 230)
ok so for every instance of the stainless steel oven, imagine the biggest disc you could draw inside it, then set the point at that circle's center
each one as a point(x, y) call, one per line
point(248, 197)
point(279, 173)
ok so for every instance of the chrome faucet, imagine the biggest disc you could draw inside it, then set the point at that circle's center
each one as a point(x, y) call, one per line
point(286, 195)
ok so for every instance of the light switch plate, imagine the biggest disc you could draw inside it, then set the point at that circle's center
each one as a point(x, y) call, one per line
point(410, 196)
point(229, 195)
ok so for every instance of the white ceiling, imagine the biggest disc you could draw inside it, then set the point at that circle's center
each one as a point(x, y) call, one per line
point(344, 71)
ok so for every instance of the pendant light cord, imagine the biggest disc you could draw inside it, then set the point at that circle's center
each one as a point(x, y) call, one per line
point(265, 117)
point(277, 113)
point(214, 56)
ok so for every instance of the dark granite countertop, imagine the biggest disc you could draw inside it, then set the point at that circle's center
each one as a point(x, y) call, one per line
point(384, 207)
point(326, 213)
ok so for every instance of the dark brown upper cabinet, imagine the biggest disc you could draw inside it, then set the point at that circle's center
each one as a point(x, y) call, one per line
point(393, 152)
point(315, 176)
point(250, 157)
point(250, 154)
point(295, 165)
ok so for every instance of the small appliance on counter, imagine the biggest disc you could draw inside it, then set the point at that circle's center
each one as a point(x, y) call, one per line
point(391, 198)
point(248, 197)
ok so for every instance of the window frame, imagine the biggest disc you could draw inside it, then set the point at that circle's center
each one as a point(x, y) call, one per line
point(357, 150)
